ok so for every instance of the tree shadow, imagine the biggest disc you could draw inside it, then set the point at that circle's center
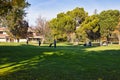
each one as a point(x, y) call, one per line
point(27, 62)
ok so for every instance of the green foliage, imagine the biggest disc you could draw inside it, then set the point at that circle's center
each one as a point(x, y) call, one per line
point(5, 6)
point(90, 28)
point(14, 13)
point(65, 23)
point(62, 25)
point(19, 30)
point(108, 22)
point(78, 13)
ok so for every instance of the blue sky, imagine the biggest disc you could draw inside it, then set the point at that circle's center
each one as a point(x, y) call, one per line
point(50, 8)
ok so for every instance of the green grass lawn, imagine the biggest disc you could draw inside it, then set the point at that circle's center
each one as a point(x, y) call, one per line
point(66, 62)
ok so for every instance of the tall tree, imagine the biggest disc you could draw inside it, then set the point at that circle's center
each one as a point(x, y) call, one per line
point(65, 23)
point(42, 29)
point(14, 17)
point(108, 21)
point(90, 28)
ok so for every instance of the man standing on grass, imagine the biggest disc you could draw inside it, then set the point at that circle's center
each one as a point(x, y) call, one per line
point(54, 43)
point(39, 42)
point(27, 41)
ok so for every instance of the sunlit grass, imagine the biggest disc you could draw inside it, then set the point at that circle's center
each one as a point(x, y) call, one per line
point(19, 61)
point(10, 44)
point(102, 48)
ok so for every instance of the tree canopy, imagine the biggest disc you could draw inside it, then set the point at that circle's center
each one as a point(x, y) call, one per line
point(108, 22)
point(90, 28)
point(13, 13)
point(65, 23)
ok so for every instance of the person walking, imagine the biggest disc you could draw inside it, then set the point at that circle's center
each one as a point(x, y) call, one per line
point(54, 43)
point(27, 41)
point(39, 42)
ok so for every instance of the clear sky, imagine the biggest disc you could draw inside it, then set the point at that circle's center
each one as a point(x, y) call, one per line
point(50, 8)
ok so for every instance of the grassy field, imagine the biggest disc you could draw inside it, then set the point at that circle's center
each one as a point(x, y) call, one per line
point(66, 62)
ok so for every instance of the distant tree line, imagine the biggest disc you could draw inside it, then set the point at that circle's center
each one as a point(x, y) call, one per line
point(74, 25)
point(78, 25)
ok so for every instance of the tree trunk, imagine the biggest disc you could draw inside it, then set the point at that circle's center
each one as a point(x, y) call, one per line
point(73, 37)
point(68, 38)
point(107, 40)
point(18, 40)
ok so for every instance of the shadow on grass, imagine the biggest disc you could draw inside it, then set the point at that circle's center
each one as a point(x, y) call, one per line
point(27, 62)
